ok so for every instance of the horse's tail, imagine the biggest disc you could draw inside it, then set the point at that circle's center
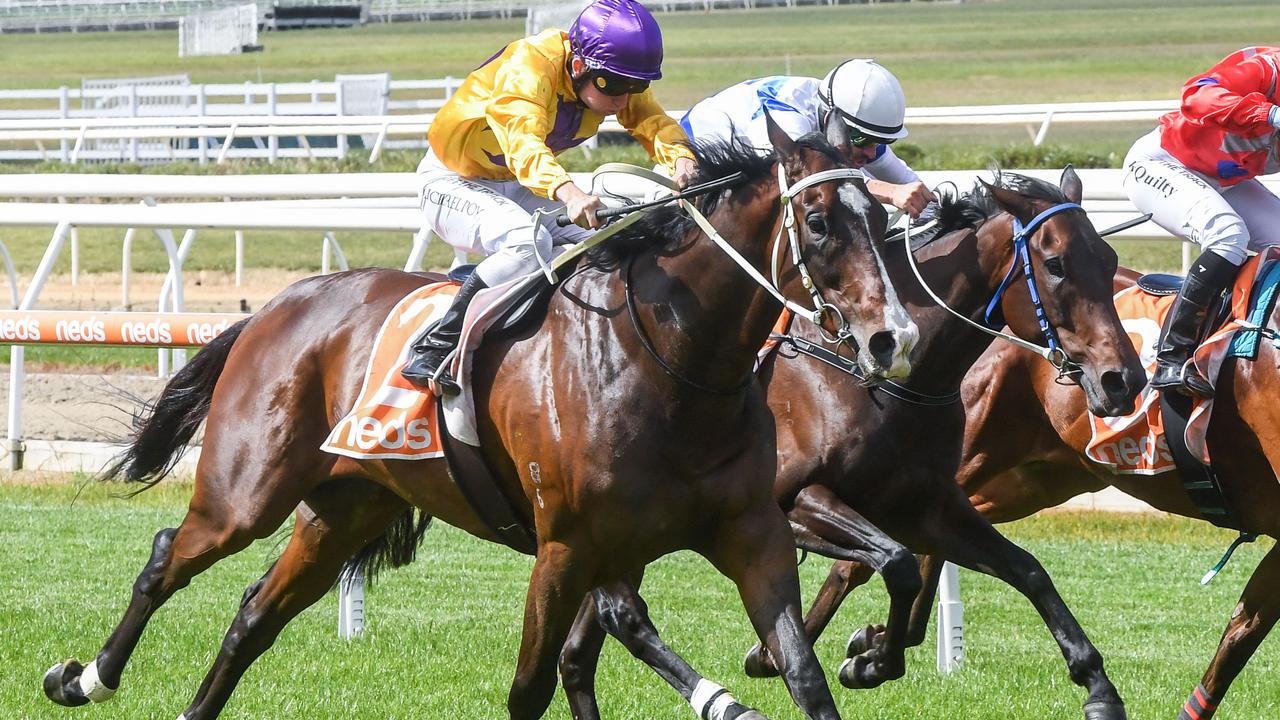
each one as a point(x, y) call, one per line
point(395, 547)
point(162, 429)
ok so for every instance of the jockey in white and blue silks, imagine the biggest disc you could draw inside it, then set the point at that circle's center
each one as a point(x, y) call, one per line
point(863, 94)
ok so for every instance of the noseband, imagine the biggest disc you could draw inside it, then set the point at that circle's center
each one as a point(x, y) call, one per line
point(1054, 353)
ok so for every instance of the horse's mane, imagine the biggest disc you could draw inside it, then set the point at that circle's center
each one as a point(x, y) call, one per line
point(978, 205)
point(667, 226)
point(1025, 186)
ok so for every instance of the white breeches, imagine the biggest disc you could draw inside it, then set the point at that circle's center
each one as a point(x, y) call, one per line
point(492, 218)
point(1227, 221)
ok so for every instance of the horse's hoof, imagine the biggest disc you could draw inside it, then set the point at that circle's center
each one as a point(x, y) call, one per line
point(1104, 710)
point(862, 640)
point(61, 684)
point(853, 673)
point(759, 664)
point(741, 712)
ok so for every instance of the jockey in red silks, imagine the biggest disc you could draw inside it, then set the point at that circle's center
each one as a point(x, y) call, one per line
point(492, 161)
point(1196, 175)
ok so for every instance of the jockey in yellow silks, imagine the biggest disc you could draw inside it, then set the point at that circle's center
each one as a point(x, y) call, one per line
point(492, 161)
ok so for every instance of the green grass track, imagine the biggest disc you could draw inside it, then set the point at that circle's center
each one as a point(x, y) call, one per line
point(443, 633)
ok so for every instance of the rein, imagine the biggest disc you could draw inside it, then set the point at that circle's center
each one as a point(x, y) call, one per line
point(1054, 353)
point(844, 332)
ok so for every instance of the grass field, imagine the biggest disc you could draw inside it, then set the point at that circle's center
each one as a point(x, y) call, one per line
point(443, 632)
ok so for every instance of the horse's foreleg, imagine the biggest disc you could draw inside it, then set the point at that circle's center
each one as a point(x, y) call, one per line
point(969, 540)
point(338, 519)
point(922, 608)
point(619, 609)
point(560, 581)
point(757, 552)
point(845, 576)
point(1253, 618)
point(206, 535)
point(875, 654)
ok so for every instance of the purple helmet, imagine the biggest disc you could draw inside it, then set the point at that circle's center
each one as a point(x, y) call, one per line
point(618, 36)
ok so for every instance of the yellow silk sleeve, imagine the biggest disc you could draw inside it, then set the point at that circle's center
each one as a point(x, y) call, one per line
point(518, 113)
point(649, 124)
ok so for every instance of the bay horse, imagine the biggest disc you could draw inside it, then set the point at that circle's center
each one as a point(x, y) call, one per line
point(853, 460)
point(622, 425)
point(1024, 451)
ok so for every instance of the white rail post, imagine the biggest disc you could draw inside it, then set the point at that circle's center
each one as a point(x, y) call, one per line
point(342, 139)
point(950, 620)
point(133, 112)
point(17, 374)
point(126, 253)
point(273, 141)
point(75, 250)
point(64, 112)
point(1044, 129)
point(351, 606)
point(202, 101)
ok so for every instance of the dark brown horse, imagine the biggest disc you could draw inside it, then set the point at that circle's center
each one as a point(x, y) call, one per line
point(1024, 452)
point(852, 459)
point(613, 450)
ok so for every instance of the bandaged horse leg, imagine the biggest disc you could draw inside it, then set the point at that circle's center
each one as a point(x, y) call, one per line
point(618, 609)
point(338, 519)
point(1252, 619)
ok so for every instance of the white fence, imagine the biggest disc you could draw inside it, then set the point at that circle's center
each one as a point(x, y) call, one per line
point(203, 122)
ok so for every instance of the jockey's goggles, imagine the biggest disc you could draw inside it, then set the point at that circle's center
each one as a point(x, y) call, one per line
point(861, 141)
point(613, 84)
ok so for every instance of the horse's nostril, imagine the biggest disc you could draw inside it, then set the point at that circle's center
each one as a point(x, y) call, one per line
point(882, 346)
point(1113, 384)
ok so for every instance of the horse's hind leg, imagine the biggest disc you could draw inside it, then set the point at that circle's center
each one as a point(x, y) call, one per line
point(1253, 618)
point(338, 519)
point(619, 608)
point(210, 531)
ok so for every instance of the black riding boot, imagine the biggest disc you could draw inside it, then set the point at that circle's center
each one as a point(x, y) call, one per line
point(437, 341)
point(1209, 276)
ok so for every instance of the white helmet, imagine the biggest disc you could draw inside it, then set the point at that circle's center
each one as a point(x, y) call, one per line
point(868, 97)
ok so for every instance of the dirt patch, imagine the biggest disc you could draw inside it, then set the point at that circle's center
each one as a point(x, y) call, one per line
point(76, 406)
point(204, 291)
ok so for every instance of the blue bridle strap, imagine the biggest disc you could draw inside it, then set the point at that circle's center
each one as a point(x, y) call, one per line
point(1021, 234)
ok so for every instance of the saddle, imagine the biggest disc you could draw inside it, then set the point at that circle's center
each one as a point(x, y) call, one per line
point(1168, 430)
point(513, 307)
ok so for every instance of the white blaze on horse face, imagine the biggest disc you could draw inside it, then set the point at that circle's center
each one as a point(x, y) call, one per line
point(896, 319)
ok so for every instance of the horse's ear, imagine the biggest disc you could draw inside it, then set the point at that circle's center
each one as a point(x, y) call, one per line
point(1071, 186)
point(837, 133)
point(1009, 201)
point(778, 137)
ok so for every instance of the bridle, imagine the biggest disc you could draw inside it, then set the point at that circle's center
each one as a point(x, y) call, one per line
point(787, 193)
point(1052, 351)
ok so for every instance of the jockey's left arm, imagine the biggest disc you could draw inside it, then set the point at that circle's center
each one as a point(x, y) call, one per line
point(661, 136)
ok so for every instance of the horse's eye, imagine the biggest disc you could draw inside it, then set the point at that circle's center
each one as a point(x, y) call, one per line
point(817, 224)
point(1054, 266)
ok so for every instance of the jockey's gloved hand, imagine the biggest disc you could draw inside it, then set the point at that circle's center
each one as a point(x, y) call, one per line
point(580, 206)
